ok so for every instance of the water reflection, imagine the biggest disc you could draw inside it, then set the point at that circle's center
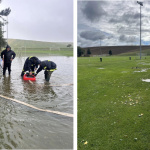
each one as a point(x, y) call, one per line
point(23, 127)
point(7, 110)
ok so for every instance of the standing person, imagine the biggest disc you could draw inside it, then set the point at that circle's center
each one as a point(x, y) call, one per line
point(30, 65)
point(7, 55)
point(48, 66)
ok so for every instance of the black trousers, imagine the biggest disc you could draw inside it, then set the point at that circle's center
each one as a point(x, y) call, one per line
point(48, 75)
point(7, 65)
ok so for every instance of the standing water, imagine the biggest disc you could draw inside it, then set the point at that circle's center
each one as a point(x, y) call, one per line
point(22, 127)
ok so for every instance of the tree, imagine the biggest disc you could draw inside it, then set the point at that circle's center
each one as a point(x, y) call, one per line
point(110, 52)
point(2, 40)
point(88, 51)
point(69, 45)
point(80, 51)
point(4, 13)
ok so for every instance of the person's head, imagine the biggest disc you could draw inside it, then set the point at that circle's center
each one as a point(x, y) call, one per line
point(38, 62)
point(8, 47)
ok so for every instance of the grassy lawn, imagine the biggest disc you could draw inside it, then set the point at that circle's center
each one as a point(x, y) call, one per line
point(113, 104)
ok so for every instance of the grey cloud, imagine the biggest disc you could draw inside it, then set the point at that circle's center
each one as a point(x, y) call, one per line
point(51, 20)
point(85, 27)
point(84, 42)
point(128, 39)
point(127, 17)
point(127, 30)
point(130, 17)
point(120, 19)
point(93, 10)
point(92, 35)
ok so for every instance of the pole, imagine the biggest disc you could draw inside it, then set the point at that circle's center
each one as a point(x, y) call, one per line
point(140, 32)
point(100, 47)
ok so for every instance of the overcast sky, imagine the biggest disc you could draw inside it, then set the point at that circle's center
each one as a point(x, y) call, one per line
point(40, 20)
point(112, 23)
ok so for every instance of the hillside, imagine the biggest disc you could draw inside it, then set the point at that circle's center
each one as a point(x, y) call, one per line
point(117, 50)
point(22, 47)
point(15, 43)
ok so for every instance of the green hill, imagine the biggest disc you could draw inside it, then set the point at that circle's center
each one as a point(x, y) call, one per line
point(53, 48)
point(15, 43)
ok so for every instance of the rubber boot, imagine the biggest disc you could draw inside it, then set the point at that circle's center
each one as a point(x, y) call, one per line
point(4, 71)
point(22, 73)
point(48, 75)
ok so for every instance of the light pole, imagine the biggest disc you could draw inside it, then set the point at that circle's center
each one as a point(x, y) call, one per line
point(100, 47)
point(141, 4)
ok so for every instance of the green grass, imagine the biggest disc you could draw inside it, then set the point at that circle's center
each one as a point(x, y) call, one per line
point(134, 54)
point(110, 101)
point(39, 47)
point(16, 43)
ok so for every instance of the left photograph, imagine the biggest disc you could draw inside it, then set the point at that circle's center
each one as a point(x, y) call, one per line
point(36, 74)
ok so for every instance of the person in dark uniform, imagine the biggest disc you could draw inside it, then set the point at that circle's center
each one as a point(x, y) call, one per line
point(30, 65)
point(7, 55)
point(48, 66)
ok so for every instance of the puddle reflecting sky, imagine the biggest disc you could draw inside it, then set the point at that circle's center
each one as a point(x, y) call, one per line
point(23, 127)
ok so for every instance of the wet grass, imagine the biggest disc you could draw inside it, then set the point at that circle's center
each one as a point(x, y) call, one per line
point(113, 104)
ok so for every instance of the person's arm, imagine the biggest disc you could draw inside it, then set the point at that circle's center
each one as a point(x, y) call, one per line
point(40, 69)
point(29, 65)
point(2, 53)
point(14, 55)
point(36, 65)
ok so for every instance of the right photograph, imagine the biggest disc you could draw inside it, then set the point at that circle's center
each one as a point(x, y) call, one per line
point(113, 50)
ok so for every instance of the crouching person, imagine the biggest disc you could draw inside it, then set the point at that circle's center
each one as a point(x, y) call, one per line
point(48, 66)
point(30, 65)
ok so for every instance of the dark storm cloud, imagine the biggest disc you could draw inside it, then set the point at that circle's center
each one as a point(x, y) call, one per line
point(95, 35)
point(93, 10)
point(127, 39)
point(119, 21)
point(92, 35)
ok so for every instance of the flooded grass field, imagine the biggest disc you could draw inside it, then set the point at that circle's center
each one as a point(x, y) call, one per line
point(113, 103)
point(26, 128)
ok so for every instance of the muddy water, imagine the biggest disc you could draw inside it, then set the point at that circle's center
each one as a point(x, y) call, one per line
point(22, 127)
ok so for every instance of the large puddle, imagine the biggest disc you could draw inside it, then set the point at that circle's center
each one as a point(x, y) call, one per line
point(143, 70)
point(26, 128)
point(146, 80)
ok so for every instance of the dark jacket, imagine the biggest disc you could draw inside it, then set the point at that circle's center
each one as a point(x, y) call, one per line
point(31, 62)
point(8, 55)
point(46, 65)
